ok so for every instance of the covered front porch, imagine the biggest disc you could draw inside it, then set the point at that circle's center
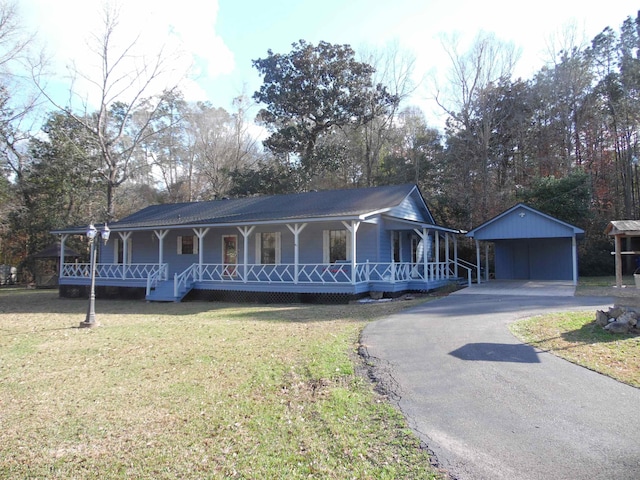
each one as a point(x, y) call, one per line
point(421, 259)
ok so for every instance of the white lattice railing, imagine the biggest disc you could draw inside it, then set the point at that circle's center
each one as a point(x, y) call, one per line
point(134, 271)
point(182, 280)
point(158, 276)
point(334, 273)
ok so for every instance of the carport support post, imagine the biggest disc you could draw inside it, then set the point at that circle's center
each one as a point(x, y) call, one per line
point(486, 261)
point(574, 253)
point(478, 261)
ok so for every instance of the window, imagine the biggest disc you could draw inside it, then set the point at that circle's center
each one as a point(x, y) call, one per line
point(268, 248)
point(187, 245)
point(336, 246)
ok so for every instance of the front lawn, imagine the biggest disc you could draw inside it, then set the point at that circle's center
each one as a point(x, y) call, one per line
point(193, 390)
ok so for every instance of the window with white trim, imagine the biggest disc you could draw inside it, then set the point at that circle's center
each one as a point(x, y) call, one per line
point(118, 250)
point(336, 246)
point(268, 250)
point(187, 245)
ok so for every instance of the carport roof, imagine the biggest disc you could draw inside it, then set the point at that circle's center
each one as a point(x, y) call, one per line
point(507, 225)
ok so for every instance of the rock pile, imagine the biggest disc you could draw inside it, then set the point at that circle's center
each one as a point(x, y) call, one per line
point(618, 319)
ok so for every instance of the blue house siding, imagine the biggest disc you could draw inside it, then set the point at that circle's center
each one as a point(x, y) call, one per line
point(523, 223)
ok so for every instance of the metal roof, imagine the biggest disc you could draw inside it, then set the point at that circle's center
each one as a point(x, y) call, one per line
point(309, 206)
point(623, 227)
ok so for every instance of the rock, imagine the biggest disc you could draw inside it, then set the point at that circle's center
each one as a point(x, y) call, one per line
point(628, 317)
point(615, 312)
point(602, 318)
point(617, 327)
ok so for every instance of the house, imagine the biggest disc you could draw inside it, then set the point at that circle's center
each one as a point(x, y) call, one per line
point(336, 244)
point(529, 245)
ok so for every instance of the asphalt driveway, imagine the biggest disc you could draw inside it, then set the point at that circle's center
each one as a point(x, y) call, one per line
point(490, 407)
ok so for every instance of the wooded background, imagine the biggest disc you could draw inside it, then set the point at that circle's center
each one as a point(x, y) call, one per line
point(564, 141)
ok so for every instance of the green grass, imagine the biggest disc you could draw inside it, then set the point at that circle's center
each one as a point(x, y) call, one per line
point(193, 390)
point(605, 281)
point(574, 336)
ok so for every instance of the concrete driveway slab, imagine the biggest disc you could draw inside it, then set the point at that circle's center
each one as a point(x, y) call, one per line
point(540, 288)
point(490, 407)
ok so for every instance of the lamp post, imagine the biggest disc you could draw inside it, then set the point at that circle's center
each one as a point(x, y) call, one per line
point(92, 233)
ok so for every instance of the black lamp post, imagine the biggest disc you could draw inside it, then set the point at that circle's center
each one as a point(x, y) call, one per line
point(92, 233)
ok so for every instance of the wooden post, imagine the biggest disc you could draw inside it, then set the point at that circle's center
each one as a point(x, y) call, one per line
point(618, 246)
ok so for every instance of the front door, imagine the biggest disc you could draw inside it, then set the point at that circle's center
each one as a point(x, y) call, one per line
point(229, 254)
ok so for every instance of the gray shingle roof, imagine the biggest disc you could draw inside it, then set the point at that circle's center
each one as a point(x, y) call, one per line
point(299, 206)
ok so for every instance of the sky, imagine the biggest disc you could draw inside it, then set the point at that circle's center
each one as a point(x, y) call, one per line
point(218, 39)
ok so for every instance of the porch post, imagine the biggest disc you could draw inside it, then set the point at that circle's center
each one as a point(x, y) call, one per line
point(425, 252)
point(353, 228)
point(447, 255)
point(437, 247)
point(160, 234)
point(63, 239)
point(618, 246)
point(478, 264)
point(125, 236)
point(296, 229)
point(200, 233)
point(245, 231)
point(455, 256)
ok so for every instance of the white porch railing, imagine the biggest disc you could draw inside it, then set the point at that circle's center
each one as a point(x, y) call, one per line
point(134, 271)
point(334, 273)
point(158, 276)
point(182, 280)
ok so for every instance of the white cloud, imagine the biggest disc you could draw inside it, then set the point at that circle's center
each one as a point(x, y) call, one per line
point(183, 31)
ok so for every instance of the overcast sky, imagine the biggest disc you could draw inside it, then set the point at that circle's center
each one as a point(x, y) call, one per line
point(221, 37)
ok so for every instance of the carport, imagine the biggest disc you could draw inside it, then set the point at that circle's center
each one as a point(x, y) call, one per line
point(528, 245)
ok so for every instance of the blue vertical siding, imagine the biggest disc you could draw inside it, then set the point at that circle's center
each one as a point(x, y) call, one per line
point(523, 223)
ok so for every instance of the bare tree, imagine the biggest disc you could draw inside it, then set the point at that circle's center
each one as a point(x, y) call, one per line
point(394, 69)
point(473, 75)
point(126, 85)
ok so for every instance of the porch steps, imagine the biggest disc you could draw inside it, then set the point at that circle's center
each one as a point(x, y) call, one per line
point(164, 293)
